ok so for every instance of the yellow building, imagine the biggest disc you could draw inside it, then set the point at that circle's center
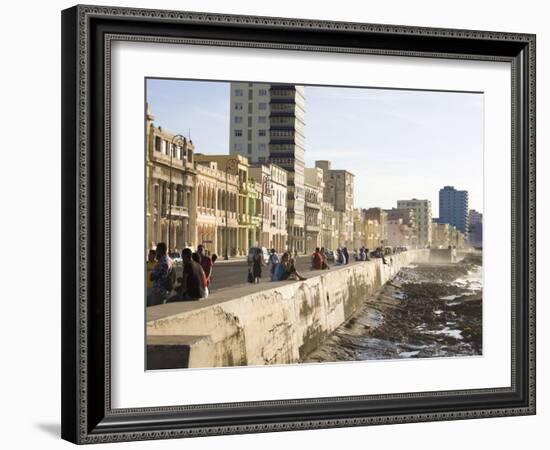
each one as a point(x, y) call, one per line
point(244, 236)
point(217, 194)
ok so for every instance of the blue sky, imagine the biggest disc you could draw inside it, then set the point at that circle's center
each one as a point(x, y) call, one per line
point(399, 144)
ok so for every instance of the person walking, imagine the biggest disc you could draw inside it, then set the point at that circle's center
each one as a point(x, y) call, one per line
point(205, 262)
point(346, 255)
point(257, 263)
point(196, 257)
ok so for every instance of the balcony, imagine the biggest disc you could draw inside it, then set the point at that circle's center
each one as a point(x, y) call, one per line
point(175, 211)
point(162, 158)
point(312, 228)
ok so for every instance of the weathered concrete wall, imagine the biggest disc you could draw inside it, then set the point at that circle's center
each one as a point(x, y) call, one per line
point(281, 324)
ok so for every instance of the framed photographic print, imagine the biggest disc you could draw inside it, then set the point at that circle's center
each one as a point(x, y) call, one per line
point(281, 224)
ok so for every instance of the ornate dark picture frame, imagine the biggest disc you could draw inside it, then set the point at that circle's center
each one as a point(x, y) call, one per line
point(87, 34)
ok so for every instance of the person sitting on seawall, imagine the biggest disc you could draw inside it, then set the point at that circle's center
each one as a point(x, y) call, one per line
point(346, 255)
point(324, 265)
point(273, 261)
point(162, 275)
point(339, 257)
point(193, 281)
point(286, 270)
point(317, 260)
point(151, 263)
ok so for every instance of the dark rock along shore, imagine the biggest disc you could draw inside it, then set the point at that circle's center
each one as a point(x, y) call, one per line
point(426, 311)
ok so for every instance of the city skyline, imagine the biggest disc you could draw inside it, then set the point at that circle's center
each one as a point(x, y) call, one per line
point(371, 149)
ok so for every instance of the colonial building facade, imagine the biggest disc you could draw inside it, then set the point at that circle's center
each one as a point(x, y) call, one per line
point(241, 234)
point(217, 194)
point(171, 193)
point(339, 191)
point(314, 186)
point(377, 226)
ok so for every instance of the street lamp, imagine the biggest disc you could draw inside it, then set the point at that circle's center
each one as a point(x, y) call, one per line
point(231, 164)
point(177, 139)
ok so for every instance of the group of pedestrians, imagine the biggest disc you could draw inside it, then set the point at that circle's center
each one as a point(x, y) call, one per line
point(280, 269)
point(164, 286)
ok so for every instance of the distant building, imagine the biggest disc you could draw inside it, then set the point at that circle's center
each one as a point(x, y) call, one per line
point(329, 233)
point(359, 235)
point(314, 186)
point(373, 234)
point(475, 235)
point(375, 219)
point(423, 216)
point(453, 208)
point(278, 232)
point(272, 202)
point(400, 234)
point(407, 225)
point(441, 235)
point(339, 191)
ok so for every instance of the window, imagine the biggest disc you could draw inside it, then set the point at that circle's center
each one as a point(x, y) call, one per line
point(262, 119)
point(261, 132)
point(250, 108)
point(261, 159)
point(262, 147)
point(262, 92)
point(250, 94)
point(238, 92)
point(249, 121)
point(158, 143)
point(238, 133)
point(238, 147)
point(262, 106)
point(238, 106)
point(249, 149)
point(238, 119)
point(249, 135)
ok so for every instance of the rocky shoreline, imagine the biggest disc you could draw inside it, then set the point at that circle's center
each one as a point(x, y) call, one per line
point(426, 311)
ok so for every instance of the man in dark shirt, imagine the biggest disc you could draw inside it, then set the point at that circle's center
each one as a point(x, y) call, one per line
point(193, 277)
point(206, 263)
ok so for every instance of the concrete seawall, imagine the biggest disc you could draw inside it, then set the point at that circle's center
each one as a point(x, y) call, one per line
point(269, 323)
